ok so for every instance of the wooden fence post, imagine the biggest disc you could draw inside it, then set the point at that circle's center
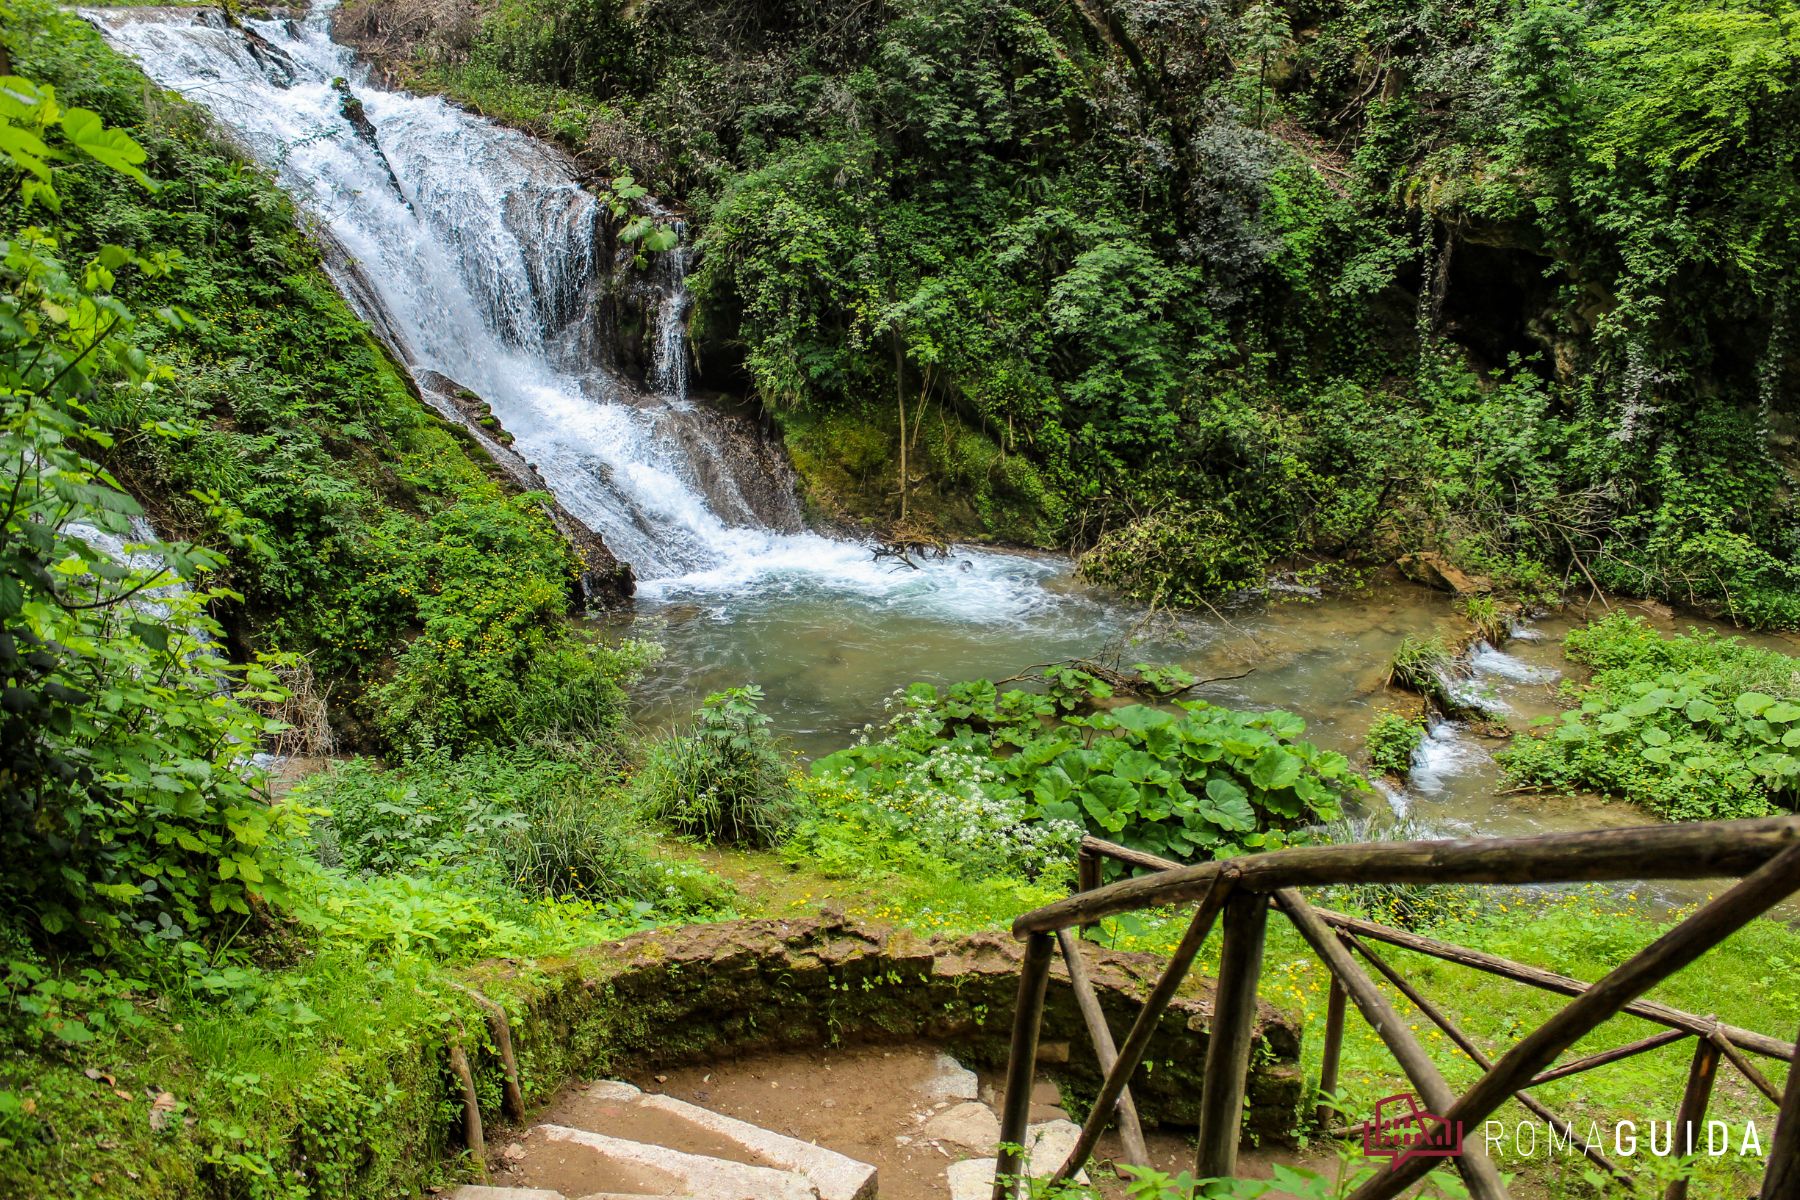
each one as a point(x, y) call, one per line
point(1333, 1051)
point(1228, 1043)
point(1021, 1068)
point(1087, 878)
point(1781, 1178)
point(1701, 1073)
point(472, 1136)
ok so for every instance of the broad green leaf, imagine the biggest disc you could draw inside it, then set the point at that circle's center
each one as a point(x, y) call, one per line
point(1753, 704)
point(1139, 717)
point(1275, 768)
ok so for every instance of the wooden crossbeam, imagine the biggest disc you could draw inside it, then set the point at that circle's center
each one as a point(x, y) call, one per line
point(1477, 1169)
point(1745, 1067)
point(1699, 850)
point(1616, 1054)
point(1550, 981)
point(1773, 882)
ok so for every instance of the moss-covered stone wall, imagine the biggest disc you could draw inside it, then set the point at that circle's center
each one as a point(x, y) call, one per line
point(675, 996)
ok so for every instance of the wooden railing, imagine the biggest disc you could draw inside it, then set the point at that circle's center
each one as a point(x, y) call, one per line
point(1763, 854)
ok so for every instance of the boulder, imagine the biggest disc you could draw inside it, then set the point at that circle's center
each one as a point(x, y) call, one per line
point(1434, 570)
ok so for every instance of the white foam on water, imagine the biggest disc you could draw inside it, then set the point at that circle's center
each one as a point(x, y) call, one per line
point(1445, 753)
point(1485, 660)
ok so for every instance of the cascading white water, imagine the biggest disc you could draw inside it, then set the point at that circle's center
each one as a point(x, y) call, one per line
point(482, 255)
point(668, 342)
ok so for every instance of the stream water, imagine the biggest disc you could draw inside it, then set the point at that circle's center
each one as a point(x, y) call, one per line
point(477, 255)
point(828, 661)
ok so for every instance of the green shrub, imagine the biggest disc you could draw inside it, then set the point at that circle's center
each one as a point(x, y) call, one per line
point(1486, 615)
point(537, 822)
point(1392, 741)
point(1692, 727)
point(725, 778)
point(1182, 555)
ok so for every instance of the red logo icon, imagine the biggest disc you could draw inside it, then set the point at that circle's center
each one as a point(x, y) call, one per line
point(1400, 1130)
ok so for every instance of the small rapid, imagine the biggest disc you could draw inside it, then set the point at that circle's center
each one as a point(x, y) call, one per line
point(479, 256)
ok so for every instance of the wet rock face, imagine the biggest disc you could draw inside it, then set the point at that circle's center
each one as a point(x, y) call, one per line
point(668, 997)
point(744, 474)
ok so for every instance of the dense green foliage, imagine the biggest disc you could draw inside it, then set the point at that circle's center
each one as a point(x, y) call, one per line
point(723, 779)
point(270, 997)
point(544, 825)
point(1392, 741)
point(1099, 295)
point(1206, 285)
point(1692, 727)
point(1011, 778)
point(360, 531)
point(128, 808)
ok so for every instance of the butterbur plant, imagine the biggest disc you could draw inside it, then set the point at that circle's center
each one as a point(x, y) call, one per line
point(1691, 727)
point(1191, 781)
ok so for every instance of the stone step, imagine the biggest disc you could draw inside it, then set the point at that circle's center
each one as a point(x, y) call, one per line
point(619, 1110)
point(834, 1176)
point(1046, 1146)
point(652, 1170)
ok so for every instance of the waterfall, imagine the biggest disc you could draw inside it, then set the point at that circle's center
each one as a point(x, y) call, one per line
point(668, 372)
point(478, 254)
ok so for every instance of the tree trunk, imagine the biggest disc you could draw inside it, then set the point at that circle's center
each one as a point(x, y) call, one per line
point(900, 403)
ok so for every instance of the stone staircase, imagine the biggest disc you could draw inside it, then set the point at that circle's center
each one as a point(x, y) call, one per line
point(612, 1141)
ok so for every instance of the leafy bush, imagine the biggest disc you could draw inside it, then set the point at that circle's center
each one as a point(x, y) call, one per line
point(1393, 739)
point(725, 778)
point(432, 812)
point(1676, 724)
point(1180, 556)
point(1035, 770)
point(129, 807)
